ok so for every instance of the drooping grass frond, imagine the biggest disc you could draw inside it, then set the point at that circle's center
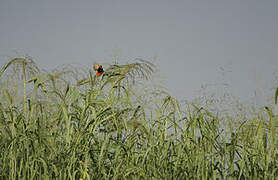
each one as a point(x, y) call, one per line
point(30, 67)
point(129, 72)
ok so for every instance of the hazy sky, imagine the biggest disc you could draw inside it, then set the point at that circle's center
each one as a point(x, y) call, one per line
point(193, 39)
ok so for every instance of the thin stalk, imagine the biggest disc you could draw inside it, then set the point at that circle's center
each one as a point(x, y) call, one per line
point(24, 87)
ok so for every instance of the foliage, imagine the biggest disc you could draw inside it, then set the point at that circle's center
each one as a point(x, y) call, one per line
point(70, 127)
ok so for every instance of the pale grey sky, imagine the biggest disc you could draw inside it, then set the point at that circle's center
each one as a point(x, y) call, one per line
point(192, 38)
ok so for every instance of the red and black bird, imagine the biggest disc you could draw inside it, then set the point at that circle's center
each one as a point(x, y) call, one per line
point(98, 68)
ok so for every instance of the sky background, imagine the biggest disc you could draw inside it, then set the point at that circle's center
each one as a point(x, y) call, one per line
point(195, 42)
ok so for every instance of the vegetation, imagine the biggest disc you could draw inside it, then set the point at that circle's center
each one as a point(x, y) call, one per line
point(74, 125)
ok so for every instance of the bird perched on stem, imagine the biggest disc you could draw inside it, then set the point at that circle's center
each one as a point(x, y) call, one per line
point(98, 68)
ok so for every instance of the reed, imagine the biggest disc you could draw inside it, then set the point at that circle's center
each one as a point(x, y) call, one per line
point(67, 127)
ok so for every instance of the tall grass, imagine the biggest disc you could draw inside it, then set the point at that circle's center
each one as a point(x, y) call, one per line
point(94, 128)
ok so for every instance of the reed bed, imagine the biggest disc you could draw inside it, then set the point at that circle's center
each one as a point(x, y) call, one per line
point(66, 125)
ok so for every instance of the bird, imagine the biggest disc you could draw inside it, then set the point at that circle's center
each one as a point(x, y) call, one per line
point(98, 68)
